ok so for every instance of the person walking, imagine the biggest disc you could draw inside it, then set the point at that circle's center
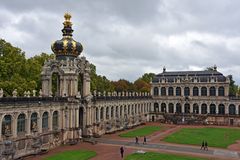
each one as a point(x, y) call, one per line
point(121, 151)
point(203, 144)
point(206, 146)
point(136, 140)
point(144, 140)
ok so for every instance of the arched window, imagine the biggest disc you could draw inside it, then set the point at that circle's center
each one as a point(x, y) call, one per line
point(195, 91)
point(7, 124)
point(21, 123)
point(156, 107)
point(178, 91)
point(97, 117)
point(204, 91)
point(163, 107)
point(34, 121)
point(55, 84)
point(45, 121)
point(178, 108)
point(116, 112)
point(232, 109)
point(155, 91)
point(101, 113)
point(112, 112)
point(132, 110)
point(55, 120)
point(186, 91)
point(170, 91)
point(204, 108)
point(221, 109)
point(212, 109)
point(187, 108)
point(212, 91)
point(195, 108)
point(221, 91)
point(163, 91)
point(107, 113)
point(170, 108)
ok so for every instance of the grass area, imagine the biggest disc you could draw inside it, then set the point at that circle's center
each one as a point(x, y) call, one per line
point(144, 131)
point(159, 156)
point(73, 155)
point(216, 137)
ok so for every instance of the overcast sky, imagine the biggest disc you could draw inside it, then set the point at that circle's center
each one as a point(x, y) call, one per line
point(127, 38)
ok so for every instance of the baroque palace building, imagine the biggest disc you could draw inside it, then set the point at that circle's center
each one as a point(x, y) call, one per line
point(65, 109)
point(194, 97)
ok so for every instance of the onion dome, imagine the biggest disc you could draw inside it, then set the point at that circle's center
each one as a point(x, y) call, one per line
point(67, 47)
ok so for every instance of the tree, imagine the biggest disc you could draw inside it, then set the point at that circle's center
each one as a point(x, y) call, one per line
point(233, 89)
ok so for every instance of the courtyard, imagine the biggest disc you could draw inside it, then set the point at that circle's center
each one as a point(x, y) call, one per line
point(169, 142)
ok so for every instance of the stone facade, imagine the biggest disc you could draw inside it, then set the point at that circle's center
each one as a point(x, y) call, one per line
point(195, 93)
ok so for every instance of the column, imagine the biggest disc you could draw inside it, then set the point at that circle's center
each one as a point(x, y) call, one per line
point(39, 122)
point(167, 109)
point(50, 119)
point(237, 110)
point(182, 91)
point(199, 108)
point(28, 123)
point(60, 119)
point(77, 117)
point(208, 108)
point(174, 108)
point(1, 117)
point(99, 114)
point(104, 113)
point(191, 91)
point(217, 109)
point(14, 129)
point(183, 108)
point(191, 108)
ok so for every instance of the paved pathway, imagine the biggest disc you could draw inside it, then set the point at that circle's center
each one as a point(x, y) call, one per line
point(176, 148)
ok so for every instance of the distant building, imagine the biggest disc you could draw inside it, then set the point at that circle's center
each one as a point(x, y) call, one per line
point(199, 93)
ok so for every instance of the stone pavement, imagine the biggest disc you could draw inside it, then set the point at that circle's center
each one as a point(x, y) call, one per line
point(212, 152)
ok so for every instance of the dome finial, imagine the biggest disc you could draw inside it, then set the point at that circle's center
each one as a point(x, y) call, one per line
point(67, 22)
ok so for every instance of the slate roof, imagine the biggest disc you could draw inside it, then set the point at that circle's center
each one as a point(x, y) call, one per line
point(202, 75)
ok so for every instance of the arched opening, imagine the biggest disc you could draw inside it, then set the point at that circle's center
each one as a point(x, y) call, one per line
point(221, 91)
point(132, 109)
point(195, 108)
point(178, 91)
point(7, 124)
point(204, 108)
point(156, 107)
point(187, 108)
point(55, 120)
point(170, 91)
point(112, 112)
point(80, 83)
point(117, 112)
point(81, 111)
point(107, 112)
point(195, 91)
point(155, 91)
point(96, 115)
point(204, 91)
point(212, 109)
point(45, 121)
point(55, 84)
point(121, 111)
point(232, 109)
point(21, 123)
point(101, 113)
point(178, 108)
point(221, 109)
point(34, 121)
point(170, 108)
point(212, 91)
point(163, 91)
point(186, 91)
point(163, 107)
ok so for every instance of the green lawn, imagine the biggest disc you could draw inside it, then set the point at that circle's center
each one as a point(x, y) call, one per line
point(216, 137)
point(158, 156)
point(73, 155)
point(144, 131)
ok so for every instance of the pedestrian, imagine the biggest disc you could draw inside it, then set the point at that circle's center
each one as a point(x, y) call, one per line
point(144, 140)
point(121, 151)
point(136, 140)
point(206, 146)
point(202, 147)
